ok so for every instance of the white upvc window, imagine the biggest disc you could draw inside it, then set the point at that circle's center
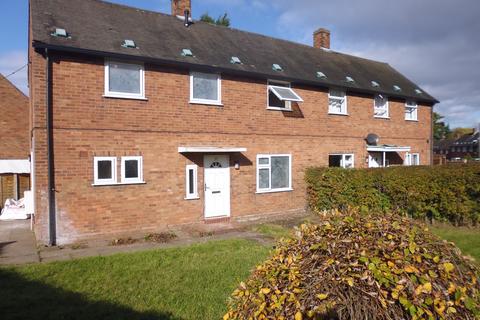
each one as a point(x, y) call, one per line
point(411, 111)
point(104, 170)
point(205, 88)
point(412, 159)
point(280, 96)
point(124, 80)
point(191, 181)
point(346, 161)
point(337, 102)
point(274, 172)
point(132, 169)
point(380, 107)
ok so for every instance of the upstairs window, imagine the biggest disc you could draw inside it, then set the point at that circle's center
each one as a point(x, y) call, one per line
point(337, 102)
point(274, 102)
point(104, 170)
point(205, 88)
point(381, 106)
point(124, 80)
point(411, 111)
point(274, 173)
point(341, 160)
point(132, 169)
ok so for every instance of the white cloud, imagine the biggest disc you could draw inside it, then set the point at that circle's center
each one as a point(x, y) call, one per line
point(11, 61)
point(432, 42)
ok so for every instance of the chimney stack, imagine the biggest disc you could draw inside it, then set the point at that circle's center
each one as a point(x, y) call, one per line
point(180, 6)
point(321, 38)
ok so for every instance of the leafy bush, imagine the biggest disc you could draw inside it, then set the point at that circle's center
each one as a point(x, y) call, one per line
point(360, 266)
point(447, 193)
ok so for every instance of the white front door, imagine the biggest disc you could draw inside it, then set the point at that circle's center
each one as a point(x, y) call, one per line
point(217, 186)
point(375, 160)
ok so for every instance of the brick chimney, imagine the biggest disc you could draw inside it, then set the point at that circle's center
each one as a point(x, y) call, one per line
point(179, 7)
point(321, 38)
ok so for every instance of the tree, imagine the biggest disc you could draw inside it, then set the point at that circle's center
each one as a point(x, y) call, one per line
point(221, 20)
point(440, 129)
point(458, 132)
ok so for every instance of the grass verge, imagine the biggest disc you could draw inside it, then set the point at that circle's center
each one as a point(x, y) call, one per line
point(467, 239)
point(177, 283)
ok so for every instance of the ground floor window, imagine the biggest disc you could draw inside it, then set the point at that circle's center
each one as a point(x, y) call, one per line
point(191, 182)
point(105, 170)
point(132, 169)
point(412, 159)
point(274, 172)
point(341, 160)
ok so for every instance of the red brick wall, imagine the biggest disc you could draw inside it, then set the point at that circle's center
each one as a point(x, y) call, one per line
point(14, 134)
point(88, 125)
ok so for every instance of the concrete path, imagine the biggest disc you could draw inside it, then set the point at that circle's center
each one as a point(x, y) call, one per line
point(17, 243)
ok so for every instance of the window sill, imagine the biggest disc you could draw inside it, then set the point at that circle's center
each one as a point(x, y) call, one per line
point(114, 96)
point(412, 120)
point(274, 191)
point(208, 103)
point(279, 109)
point(378, 117)
point(117, 184)
point(338, 114)
point(192, 198)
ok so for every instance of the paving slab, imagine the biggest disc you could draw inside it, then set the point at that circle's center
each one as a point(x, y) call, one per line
point(17, 243)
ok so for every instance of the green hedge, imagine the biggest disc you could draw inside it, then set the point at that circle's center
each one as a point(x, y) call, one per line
point(446, 193)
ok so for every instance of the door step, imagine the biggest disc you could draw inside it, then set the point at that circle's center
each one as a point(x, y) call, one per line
point(217, 220)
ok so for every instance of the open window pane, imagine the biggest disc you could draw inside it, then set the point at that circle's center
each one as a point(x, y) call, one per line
point(280, 172)
point(334, 160)
point(285, 94)
point(205, 86)
point(131, 169)
point(104, 169)
point(273, 100)
point(125, 78)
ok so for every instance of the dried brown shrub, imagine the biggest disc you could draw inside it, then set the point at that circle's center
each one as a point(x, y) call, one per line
point(361, 266)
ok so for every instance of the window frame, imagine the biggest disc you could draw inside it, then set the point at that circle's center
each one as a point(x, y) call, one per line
point(194, 195)
point(269, 166)
point(123, 95)
point(415, 107)
point(409, 156)
point(100, 182)
point(139, 179)
point(217, 102)
point(274, 83)
point(387, 107)
point(342, 161)
point(344, 104)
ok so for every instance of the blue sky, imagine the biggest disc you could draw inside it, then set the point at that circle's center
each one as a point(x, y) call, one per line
point(432, 42)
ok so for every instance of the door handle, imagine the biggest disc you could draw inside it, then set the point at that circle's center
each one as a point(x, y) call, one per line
point(215, 192)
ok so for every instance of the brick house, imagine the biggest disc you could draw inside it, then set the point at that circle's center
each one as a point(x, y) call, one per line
point(464, 147)
point(14, 142)
point(143, 120)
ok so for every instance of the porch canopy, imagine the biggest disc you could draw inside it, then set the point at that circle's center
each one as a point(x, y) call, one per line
point(211, 149)
point(388, 148)
point(384, 149)
point(17, 166)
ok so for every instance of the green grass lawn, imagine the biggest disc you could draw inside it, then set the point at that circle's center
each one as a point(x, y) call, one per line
point(178, 283)
point(468, 240)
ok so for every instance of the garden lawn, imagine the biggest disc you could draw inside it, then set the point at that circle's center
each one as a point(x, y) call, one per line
point(177, 283)
point(468, 240)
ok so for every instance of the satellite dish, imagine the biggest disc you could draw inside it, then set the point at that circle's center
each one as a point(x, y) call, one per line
point(372, 139)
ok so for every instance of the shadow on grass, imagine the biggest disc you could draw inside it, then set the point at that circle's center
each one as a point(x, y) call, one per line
point(21, 298)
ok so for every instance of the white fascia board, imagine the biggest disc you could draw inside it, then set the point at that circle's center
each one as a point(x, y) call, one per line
point(210, 150)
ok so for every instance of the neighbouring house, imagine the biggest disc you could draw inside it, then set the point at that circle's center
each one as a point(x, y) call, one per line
point(14, 142)
point(466, 146)
point(143, 120)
